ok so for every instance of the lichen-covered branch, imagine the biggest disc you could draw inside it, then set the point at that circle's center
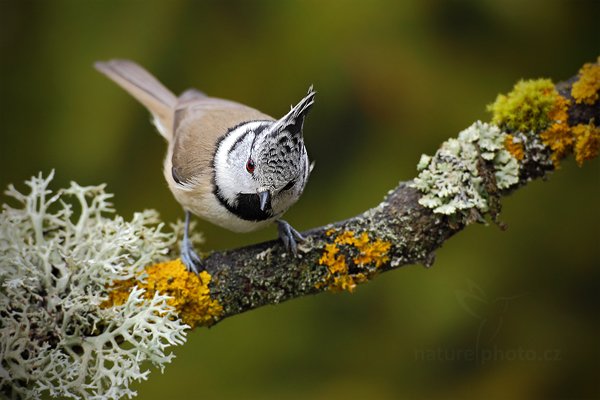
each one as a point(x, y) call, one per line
point(532, 129)
point(87, 297)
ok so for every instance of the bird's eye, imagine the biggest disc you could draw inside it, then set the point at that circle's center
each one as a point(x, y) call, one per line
point(250, 166)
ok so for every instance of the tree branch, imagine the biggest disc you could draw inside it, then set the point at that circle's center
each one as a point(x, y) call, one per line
point(397, 232)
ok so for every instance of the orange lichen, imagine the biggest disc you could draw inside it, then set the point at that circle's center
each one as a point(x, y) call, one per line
point(587, 142)
point(375, 252)
point(559, 113)
point(366, 255)
point(341, 283)
point(586, 89)
point(558, 137)
point(336, 263)
point(369, 251)
point(189, 292)
point(514, 148)
point(119, 293)
point(348, 238)
point(560, 140)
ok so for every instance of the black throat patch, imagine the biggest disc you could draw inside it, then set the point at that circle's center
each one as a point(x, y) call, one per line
point(247, 207)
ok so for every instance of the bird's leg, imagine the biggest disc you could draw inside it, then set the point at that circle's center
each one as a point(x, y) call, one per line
point(189, 257)
point(289, 236)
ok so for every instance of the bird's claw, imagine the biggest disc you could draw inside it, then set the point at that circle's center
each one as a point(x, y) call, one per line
point(190, 258)
point(289, 236)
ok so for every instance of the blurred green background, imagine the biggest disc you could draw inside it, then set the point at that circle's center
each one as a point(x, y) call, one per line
point(394, 80)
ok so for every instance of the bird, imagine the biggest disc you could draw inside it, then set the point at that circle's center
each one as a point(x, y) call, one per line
point(226, 162)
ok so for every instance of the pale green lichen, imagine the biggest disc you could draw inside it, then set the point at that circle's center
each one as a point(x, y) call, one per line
point(450, 180)
point(423, 162)
point(59, 251)
point(506, 169)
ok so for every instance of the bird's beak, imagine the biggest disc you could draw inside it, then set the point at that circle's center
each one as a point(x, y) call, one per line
point(265, 199)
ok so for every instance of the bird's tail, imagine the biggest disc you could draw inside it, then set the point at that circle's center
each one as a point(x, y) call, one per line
point(159, 100)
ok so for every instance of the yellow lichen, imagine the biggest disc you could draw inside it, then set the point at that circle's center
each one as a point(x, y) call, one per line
point(189, 292)
point(368, 256)
point(514, 148)
point(586, 89)
point(527, 107)
point(587, 142)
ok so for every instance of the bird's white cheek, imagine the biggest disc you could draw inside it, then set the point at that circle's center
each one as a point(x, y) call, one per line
point(231, 182)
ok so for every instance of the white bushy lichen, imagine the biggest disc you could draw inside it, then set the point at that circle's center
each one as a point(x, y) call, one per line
point(59, 252)
point(450, 180)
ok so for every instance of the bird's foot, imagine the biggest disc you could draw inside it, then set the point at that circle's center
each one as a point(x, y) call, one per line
point(190, 258)
point(289, 236)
